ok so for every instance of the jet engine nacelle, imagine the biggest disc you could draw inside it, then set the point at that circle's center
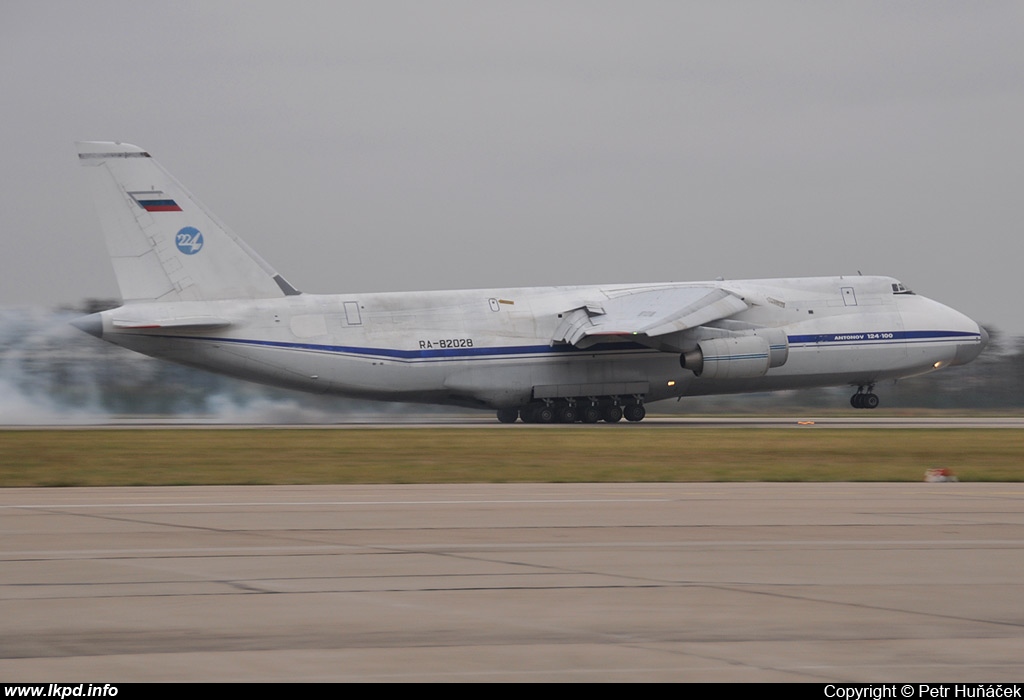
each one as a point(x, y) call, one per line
point(737, 356)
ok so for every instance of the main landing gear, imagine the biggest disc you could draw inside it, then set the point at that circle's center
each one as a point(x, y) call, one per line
point(590, 409)
point(864, 399)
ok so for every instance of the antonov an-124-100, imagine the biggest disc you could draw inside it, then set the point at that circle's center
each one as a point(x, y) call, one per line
point(194, 293)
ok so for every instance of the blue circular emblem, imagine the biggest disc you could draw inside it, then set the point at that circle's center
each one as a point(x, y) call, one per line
point(189, 240)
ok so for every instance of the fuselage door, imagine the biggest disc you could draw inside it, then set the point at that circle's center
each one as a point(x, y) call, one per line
point(352, 316)
point(849, 297)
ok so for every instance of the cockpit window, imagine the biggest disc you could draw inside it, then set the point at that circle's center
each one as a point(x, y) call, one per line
point(898, 288)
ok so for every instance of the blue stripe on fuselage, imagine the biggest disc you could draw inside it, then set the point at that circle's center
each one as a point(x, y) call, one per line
point(881, 337)
point(873, 338)
point(434, 354)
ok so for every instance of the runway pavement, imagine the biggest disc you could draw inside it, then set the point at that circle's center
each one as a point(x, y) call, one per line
point(556, 582)
point(479, 419)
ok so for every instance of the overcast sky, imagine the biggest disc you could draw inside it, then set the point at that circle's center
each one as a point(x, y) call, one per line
point(371, 146)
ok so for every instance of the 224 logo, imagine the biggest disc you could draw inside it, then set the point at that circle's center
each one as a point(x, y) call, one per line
point(189, 240)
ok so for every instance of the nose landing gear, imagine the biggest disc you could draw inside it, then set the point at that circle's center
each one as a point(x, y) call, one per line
point(864, 399)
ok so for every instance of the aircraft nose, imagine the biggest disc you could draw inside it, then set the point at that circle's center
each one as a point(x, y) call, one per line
point(966, 352)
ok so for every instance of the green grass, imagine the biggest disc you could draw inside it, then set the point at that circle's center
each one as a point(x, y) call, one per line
point(624, 453)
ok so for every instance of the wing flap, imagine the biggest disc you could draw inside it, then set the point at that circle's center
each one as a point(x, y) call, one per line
point(652, 312)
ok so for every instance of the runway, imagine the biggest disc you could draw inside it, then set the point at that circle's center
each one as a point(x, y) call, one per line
point(557, 582)
point(479, 419)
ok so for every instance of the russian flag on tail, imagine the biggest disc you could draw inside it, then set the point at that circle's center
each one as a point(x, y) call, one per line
point(154, 200)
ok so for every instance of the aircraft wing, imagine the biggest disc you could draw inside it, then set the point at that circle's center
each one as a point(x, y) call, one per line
point(651, 312)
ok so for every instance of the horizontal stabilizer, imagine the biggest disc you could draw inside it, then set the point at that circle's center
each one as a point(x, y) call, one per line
point(181, 323)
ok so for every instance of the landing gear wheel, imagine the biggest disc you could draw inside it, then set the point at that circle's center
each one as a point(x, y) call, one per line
point(544, 414)
point(861, 400)
point(634, 412)
point(590, 414)
point(508, 415)
point(612, 414)
point(566, 413)
point(528, 413)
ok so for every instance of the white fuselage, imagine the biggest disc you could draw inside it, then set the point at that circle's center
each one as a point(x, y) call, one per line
point(495, 348)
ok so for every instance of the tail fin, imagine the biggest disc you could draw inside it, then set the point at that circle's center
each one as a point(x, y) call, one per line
point(165, 246)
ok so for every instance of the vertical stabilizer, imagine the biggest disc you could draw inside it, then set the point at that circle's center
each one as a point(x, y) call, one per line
point(164, 244)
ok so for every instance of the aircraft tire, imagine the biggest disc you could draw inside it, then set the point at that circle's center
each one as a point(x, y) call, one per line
point(869, 401)
point(544, 414)
point(612, 414)
point(634, 413)
point(567, 414)
point(590, 414)
point(508, 415)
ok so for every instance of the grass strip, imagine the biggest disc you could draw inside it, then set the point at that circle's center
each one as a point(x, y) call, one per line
point(627, 453)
